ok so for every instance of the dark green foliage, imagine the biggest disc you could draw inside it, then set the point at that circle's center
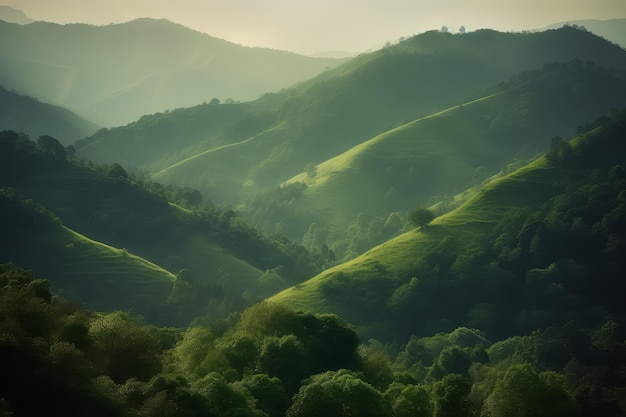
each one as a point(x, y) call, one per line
point(337, 394)
point(269, 393)
point(525, 392)
point(420, 216)
point(107, 204)
point(108, 364)
point(450, 397)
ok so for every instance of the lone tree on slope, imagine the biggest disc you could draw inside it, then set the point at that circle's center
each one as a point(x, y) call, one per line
point(421, 216)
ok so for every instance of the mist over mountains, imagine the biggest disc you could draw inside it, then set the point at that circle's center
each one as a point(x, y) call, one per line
point(11, 15)
point(114, 74)
point(434, 228)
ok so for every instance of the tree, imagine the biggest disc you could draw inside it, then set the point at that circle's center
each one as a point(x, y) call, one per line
point(117, 171)
point(524, 391)
point(421, 216)
point(52, 147)
point(450, 397)
point(337, 394)
point(124, 349)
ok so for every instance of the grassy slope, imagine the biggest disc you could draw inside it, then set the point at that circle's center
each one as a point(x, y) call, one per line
point(341, 108)
point(122, 214)
point(527, 187)
point(97, 275)
point(404, 165)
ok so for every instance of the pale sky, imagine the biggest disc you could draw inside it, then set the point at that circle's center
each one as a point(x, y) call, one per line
point(307, 26)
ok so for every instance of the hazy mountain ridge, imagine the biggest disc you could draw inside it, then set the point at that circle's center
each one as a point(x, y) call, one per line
point(366, 96)
point(29, 115)
point(11, 15)
point(611, 29)
point(114, 74)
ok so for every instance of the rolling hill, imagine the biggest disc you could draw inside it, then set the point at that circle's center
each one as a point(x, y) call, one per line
point(445, 152)
point(613, 29)
point(114, 74)
point(540, 245)
point(212, 248)
point(34, 118)
point(339, 109)
point(95, 275)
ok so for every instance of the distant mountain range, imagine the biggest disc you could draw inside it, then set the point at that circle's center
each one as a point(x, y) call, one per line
point(11, 15)
point(114, 74)
point(613, 30)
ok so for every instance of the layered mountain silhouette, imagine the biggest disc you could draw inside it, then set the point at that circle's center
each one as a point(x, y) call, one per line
point(613, 30)
point(11, 15)
point(115, 74)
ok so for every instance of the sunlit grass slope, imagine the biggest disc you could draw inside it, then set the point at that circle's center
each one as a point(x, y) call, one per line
point(98, 276)
point(358, 289)
point(339, 109)
point(402, 167)
point(455, 148)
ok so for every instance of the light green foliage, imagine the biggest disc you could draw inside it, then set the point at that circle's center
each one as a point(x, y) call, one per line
point(450, 397)
point(524, 391)
point(123, 348)
point(337, 394)
point(192, 352)
point(376, 365)
point(413, 400)
point(269, 393)
point(223, 399)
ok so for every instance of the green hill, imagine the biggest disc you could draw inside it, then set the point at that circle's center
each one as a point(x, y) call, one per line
point(213, 249)
point(441, 153)
point(371, 94)
point(96, 275)
point(28, 115)
point(612, 29)
point(116, 73)
point(530, 249)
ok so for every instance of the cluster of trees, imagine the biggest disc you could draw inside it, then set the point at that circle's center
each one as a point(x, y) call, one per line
point(271, 360)
point(279, 211)
point(126, 210)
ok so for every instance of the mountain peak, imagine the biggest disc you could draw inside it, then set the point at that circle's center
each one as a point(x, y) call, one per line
point(11, 15)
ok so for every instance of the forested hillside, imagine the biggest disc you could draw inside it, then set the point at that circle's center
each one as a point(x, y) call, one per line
point(433, 159)
point(510, 305)
point(240, 154)
point(540, 245)
point(436, 228)
point(213, 252)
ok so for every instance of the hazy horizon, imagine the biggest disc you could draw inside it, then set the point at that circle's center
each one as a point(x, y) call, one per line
point(313, 28)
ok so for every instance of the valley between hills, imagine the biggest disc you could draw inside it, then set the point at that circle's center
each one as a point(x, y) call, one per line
point(192, 227)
